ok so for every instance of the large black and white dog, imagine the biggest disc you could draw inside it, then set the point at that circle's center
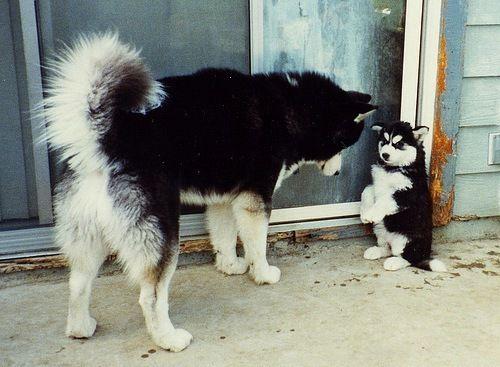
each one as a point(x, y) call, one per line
point(137, 148)
point(398, 201)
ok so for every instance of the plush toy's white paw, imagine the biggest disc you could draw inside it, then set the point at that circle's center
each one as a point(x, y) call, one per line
point(363, 218)
point(371, 216)
point(268, 275)
point(173, 341)
point(236, 265)
point(80, 327)
point(437, 265)
point(395, 263)
point(376, 252)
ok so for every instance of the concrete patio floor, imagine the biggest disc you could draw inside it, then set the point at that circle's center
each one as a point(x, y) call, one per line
point(331, 308)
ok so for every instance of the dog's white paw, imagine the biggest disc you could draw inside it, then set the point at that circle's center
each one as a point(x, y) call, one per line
point(395, 263)
point(237, 265)
point(268, 275)
point(173, 341)
point(375, 252)
point(80, 327)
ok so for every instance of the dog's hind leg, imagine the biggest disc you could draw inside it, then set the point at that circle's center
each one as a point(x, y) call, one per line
point(81, 241)
point(78, 234)
point(85, 256)
point(145, 236)
point(223, 236)
point(149, 257)
point(154, 302)
point(252, 219)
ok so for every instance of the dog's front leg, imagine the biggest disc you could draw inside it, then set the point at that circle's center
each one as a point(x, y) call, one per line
point(223, 236)
point(252, 218)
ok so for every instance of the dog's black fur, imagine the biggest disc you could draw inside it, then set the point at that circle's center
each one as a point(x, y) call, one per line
point(222, 131)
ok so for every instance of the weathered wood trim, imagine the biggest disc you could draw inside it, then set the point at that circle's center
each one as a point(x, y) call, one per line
point(199, 245)
point(446, 119)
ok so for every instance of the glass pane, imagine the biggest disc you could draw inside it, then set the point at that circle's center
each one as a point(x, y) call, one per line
point(360, 45)
point(175, 36)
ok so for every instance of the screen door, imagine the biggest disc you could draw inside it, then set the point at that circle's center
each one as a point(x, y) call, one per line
point(359, 44)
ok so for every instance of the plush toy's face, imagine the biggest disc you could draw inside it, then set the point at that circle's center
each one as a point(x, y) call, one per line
point(398, 142)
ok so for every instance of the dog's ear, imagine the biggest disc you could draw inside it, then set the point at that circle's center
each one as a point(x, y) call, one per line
point(377, 126)
point(364, 110)
point(359, 97)
point(419, 132)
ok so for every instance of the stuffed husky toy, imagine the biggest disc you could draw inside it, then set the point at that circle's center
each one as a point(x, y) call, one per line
point(398, 202)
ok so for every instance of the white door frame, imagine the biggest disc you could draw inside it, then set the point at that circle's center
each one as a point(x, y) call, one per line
point(422, 20)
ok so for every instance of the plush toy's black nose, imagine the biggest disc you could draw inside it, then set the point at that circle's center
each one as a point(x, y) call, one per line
point(385, 156)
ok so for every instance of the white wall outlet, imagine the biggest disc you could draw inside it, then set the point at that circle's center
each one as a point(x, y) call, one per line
point(494, 149)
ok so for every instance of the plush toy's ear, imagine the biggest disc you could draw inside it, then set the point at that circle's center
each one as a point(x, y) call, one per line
point(364, 110)
point(377, 126)
point(420, 132)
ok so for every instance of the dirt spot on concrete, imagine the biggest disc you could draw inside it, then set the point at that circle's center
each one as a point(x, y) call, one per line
point(455, 257)
point(429, 283)
point(470, 266)
point(490, 273)
point(402, 286)
point(493, 253)
point(353, 279)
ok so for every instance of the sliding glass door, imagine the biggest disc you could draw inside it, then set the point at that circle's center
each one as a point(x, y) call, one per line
point(367, 45)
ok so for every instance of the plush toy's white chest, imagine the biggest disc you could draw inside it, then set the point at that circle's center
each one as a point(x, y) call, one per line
point(385, 183)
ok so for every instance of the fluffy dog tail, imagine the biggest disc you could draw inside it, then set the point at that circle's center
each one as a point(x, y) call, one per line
point(90, 81)
point(432, 265)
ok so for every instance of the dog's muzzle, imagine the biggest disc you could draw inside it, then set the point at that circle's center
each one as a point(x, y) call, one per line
point(332, 166)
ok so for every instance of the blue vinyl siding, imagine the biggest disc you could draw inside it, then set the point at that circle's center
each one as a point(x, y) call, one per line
point(477, 185)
